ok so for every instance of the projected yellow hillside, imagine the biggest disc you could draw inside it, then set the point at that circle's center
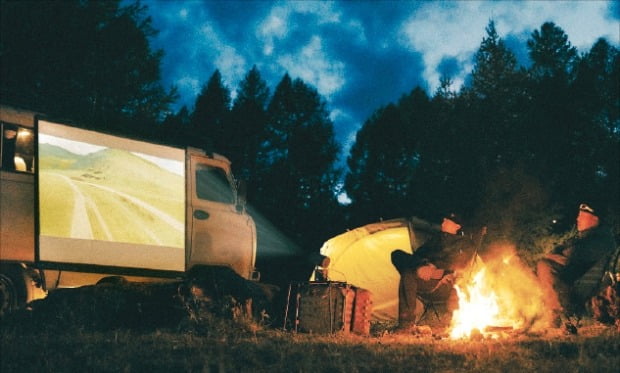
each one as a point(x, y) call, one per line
point(111, 195)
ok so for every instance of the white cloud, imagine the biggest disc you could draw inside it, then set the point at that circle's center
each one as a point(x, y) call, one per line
point(313, 66)
point(442, 34)
point(355, 27)
point(310, 63)
point(583, 21)
point(183, 13)
point(344, 199)
point(275, 26)
point(231, 64)
point(189, 83)
point(348, 137)
point(457, 29)
point(324, 11)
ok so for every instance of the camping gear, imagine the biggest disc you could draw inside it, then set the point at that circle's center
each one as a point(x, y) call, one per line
point(362, 312)
point(361, 257)
point(324, 307)
point(329, 307)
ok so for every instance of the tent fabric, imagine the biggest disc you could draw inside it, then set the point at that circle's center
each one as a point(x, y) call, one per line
point(362, 258)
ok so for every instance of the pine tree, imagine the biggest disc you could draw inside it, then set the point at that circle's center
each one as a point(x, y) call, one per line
point(89, 61)
point(211, 115)
point(175, 129)
point(384, 163)
point(497, 93)
point(495, 68)
point(595, 139)
point(246, 129)
point(297, 163)
point(552, 116)
point(551, 53)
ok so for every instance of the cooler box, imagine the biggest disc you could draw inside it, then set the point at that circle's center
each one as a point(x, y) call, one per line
point(324, 307)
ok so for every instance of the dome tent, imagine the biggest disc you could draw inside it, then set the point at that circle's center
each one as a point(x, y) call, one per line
point(362, 257)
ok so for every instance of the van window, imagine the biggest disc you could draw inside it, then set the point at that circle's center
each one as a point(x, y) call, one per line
point(17, 148)
point(212, 184)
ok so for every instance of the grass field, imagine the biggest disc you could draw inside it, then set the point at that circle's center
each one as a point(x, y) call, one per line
point(276, 351)
point(146, 331)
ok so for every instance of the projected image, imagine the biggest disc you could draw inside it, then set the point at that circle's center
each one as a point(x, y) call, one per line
point(95, 192)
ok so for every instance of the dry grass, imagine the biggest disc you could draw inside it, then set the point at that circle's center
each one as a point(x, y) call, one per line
point(276, 351)
point(132, 329)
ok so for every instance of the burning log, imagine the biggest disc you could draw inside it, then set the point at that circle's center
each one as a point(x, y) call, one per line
point(496, 329)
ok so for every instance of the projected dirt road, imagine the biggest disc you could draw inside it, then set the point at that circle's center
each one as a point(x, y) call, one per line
point(110, 195)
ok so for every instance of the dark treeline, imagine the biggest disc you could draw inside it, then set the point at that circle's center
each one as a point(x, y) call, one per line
point(283, 146)
point(89, 61)
point(514, 149)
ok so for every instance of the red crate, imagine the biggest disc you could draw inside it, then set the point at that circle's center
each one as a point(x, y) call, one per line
point(362, 312)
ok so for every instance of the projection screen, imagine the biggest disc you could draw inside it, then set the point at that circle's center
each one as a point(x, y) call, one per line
point(108, 200)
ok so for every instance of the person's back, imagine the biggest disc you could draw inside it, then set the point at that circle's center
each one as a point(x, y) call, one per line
point(455, 252)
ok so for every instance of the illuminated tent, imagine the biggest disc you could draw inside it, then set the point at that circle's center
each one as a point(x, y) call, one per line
point(362, 258)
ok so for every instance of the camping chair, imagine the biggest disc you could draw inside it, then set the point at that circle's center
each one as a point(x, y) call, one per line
point(432, 303)
point(428, 304)
point(593, 281)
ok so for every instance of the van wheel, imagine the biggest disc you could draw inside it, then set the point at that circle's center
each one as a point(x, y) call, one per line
point(112, 280)
point(8, 295)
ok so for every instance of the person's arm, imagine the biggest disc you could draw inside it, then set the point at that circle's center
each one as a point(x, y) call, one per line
point(422, 255)
point(558, 258)
point(429, 271)
point(561, 253)
point(430, 257)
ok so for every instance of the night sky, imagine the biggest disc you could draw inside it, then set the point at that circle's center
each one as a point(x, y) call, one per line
point(359, 55)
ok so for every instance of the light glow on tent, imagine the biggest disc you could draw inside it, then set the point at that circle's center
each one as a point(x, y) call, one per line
point(362, 258)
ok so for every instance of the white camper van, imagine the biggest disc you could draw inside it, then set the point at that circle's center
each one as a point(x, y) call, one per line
point(78, 205)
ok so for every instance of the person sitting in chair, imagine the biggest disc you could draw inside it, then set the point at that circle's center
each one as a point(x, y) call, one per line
point(561, 268)
point(430, 270)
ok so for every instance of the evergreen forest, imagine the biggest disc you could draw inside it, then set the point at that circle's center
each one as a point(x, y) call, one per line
point(516, 149)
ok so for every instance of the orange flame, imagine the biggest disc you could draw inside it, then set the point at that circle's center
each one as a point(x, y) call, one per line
point(478, 308)
point(501, 294)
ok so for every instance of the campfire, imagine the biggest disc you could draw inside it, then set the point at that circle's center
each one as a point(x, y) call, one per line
point(497, 297)
point(478, 307)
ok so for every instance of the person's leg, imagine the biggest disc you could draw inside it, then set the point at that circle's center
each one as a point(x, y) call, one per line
point(407, 292)
point(556, 294)
point(452, 300)
point(554, 289)
point(401, 260)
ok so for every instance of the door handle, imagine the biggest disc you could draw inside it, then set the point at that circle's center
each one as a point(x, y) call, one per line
point(201, 215)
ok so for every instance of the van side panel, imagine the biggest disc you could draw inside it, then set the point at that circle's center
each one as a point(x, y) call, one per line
point(109, 201)
point(16, 191)
point(17, 217)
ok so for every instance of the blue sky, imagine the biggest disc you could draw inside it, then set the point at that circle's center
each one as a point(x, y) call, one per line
point(359, 55)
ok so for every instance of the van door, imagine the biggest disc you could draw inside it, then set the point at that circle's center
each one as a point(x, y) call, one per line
point(16, 193)
point(221, 234)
